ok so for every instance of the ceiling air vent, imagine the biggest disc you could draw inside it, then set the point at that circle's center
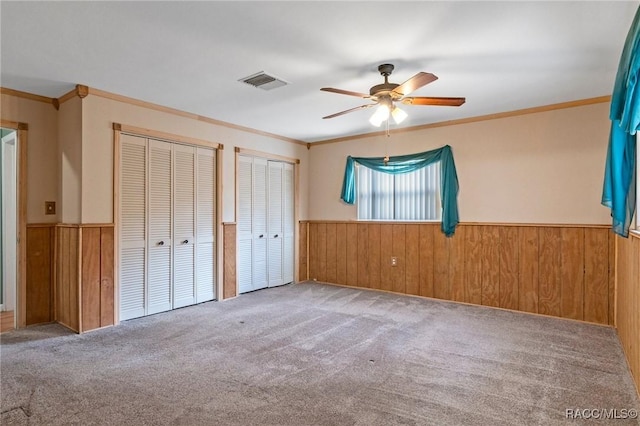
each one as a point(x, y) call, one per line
point(264, 81)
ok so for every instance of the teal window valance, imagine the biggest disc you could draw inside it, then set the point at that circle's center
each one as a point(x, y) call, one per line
point(619, 189)
point(409, 163)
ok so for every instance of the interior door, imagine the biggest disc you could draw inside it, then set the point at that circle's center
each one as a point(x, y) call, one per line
point(206, 224)
point(184, 292)
point(159, 289)
point(276, 235)
point(133, 218)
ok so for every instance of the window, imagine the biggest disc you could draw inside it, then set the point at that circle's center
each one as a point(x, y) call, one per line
point(407, 196)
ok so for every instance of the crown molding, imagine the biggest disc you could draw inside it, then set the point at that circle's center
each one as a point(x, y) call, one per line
point(526, 111)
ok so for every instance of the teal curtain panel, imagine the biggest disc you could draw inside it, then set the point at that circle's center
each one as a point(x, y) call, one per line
point(409, 163)
point(620, 180)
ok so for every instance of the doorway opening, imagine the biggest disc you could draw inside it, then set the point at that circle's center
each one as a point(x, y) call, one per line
point(8, 226)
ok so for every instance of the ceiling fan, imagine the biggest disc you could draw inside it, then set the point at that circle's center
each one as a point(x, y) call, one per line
point(385, 95)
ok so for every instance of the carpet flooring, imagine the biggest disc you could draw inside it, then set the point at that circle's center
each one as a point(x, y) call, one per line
point(316, 354)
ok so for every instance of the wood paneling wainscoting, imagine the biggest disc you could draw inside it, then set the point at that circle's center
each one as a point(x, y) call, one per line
point(40, 270)
point(230, 284)
point(97, 290)
point(628, 300)
point(70, 275)
point(564, 271)
point(67, 288)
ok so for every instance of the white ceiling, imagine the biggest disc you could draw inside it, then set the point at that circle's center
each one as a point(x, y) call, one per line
point(501, 56)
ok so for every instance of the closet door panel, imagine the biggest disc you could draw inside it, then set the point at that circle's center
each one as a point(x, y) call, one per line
point(245, 266)
point(159, 288)
point(205, 224)
point(243, 225)
point(159, 280)
point(259, 224)
point(133, 189)
point(276, 237)
point(259, 264)
point(184, 292)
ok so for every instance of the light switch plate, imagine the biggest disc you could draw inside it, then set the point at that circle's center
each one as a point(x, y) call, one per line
point(49, 207)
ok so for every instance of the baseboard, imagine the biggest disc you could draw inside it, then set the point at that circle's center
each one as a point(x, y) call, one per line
point(7, 321)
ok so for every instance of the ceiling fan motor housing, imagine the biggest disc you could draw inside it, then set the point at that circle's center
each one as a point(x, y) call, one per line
point(385, 89)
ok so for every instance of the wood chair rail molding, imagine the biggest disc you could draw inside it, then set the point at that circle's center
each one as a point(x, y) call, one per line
point(550, 225)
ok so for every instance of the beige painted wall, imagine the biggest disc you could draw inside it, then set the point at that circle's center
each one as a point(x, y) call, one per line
point(97, 155)
point(42, 164)
point(70, 158)
point(538, 168)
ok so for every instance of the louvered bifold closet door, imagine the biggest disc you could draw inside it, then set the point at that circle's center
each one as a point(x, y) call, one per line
point(184, 196)
point(205, 224)
point(288, 222)
point(259, 224)
point(159, 294)
point(133, 189)
point(276, 237)
point(243, 224)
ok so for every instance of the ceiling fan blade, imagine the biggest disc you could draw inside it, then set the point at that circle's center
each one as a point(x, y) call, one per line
point(415, 82)
point(345, 92)
point(349, 110)
point(433, 101)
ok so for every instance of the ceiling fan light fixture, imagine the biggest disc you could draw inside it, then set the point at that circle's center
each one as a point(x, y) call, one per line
point(398, 115)
point(381, 114)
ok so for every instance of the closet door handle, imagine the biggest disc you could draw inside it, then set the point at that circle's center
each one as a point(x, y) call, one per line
point(275, 236)
point(185, 242)
point(261, 235)
point(161, 243)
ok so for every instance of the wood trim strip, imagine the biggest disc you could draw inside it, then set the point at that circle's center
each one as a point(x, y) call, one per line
point(219, 227)
point(296, 216)
point(634, 234)
point(15, 125)
point(26, 95)
point(116, 223)
point(41, 225)
point(7, 321)
point(267, 155)
point(173, 111)
point(229, 280)
point(169, 137)
point(21, 290)
point(496, 116)
point(69, 95)
point(535, 225)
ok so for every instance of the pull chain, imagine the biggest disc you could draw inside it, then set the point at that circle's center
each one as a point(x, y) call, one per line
point(386, 145)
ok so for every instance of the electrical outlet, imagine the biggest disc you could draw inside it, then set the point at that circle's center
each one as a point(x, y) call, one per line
point(394, 261)
point(49, 207)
